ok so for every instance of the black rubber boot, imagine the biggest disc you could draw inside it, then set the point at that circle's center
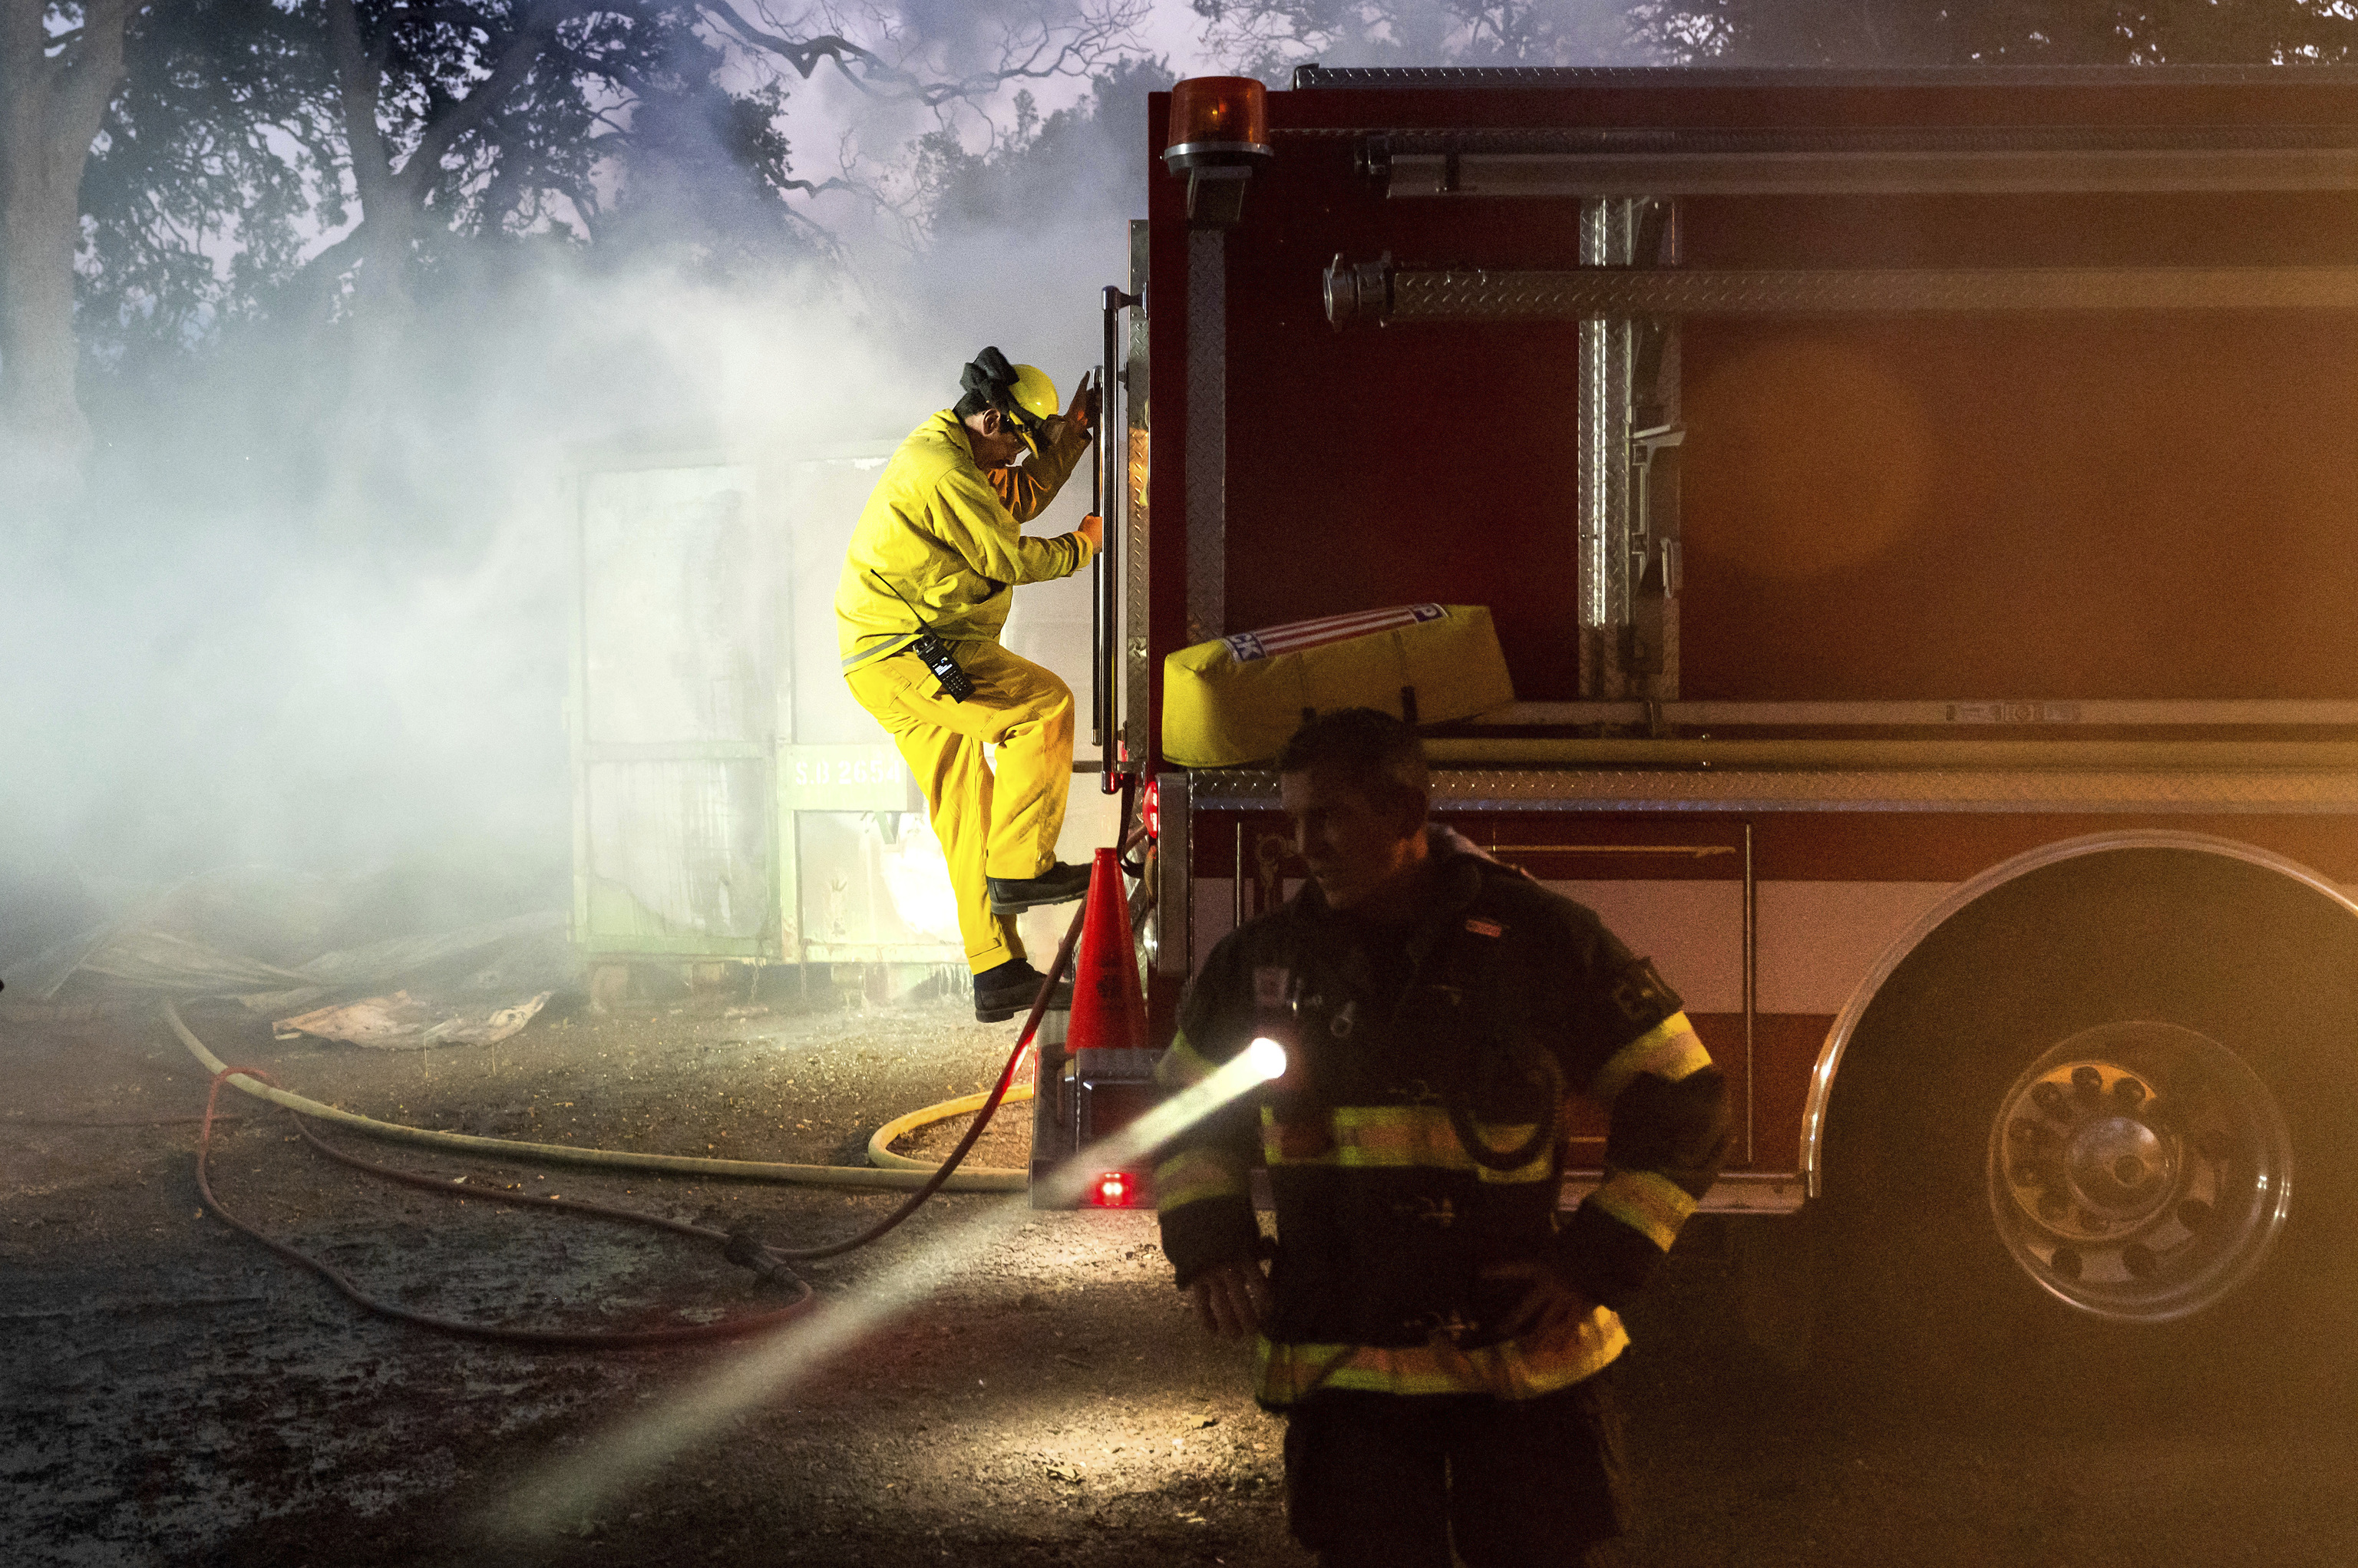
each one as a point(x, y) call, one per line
point(1001, 993)
point(1060, 883)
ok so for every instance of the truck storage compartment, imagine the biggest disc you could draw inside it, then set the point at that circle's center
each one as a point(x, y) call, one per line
point(1868, 500)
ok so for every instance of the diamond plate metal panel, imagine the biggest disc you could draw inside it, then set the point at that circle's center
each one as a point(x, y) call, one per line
point(1207, 434)
point(2289, 793)
point(1817, 77)
point(1495, 174)
point(1138, 669)
point(1567, 296)
point(1607, 239)
point(1174, 896)
point(1988, 141)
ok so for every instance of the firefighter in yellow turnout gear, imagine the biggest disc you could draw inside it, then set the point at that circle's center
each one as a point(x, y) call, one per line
point(1439, 1336)
point(940, 550)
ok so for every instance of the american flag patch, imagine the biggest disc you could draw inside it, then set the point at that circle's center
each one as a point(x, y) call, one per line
point(1247, 646)
point(1486, 928)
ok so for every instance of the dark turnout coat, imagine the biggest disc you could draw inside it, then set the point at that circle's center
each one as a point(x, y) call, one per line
point(1417, 1137)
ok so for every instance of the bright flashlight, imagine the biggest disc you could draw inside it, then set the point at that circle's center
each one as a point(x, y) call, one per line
point(1267, 1058)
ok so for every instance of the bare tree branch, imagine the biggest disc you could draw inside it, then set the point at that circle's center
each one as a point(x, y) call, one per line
point(460, 115)
point(86, 78)
point(879, 78)
point(334, 260)
point(805, 56)
point(358, 79)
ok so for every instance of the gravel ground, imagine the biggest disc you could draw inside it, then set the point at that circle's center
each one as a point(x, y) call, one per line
point(988, 1385)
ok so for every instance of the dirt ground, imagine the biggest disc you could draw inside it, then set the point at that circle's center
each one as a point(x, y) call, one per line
point(999, 1388)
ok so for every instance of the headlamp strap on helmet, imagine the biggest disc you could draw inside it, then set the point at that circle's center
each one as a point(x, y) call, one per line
point(989, 382)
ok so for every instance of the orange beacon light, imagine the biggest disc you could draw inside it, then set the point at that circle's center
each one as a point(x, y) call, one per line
point(1219, 134)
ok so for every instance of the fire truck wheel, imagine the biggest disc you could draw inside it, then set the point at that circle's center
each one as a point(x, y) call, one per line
point(2105, 1111)
point(2138, 1171)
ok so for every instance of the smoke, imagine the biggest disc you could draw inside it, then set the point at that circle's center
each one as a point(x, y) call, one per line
point(1269, 38)
point(310, 605)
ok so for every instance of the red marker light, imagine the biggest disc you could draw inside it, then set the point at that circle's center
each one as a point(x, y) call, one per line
point(1113, 1191)
point(1153, 809)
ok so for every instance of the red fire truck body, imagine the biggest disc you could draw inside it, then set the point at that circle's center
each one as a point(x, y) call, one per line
point(1917, 511)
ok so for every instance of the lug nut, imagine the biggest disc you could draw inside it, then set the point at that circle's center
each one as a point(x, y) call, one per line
point(2129, 1092)
point(2138, 1258)
point(2193, 1213)
point(2053, 1206)
point(2049, 1098)
point(2086, 1082)
point(2066, 1262)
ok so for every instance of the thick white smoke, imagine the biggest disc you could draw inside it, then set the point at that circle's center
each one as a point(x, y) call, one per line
point(284, 630)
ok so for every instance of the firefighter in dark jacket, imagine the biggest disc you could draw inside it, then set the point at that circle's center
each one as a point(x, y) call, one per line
point(1437, 1334)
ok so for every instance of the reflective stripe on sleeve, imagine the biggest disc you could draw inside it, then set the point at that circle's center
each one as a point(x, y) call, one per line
point(1669, 1051)
point(1193, 1174)
point(1403, 1135)
point(1284, 1373)
point(1652, 1205)
point(1183, 1067)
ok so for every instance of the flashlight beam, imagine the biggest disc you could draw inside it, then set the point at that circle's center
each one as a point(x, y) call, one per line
point(569, 1491)
point(1118, 1150)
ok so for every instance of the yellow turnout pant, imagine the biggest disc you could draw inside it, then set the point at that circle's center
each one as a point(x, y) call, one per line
point(992, 822)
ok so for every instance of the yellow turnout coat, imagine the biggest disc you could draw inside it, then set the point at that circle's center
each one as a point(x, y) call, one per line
point(946, 534)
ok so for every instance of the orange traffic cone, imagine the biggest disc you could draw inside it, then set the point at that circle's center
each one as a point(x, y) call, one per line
point(1108, 1008)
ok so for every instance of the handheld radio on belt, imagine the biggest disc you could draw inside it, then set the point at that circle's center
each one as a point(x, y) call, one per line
point(956, 685)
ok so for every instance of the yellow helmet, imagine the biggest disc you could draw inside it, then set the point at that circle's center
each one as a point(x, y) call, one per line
point(1034, 393)
point(1030, 402)
point(1022, 393)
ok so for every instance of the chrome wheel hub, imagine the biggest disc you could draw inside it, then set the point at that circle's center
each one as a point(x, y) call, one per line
point(2139, 1170)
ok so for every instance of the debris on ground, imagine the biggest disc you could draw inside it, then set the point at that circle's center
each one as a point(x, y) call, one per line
point(283, 944)
point(402, 1020)
point(176, 1394)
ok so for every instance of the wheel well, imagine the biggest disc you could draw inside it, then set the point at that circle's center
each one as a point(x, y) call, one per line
point(2168, 871)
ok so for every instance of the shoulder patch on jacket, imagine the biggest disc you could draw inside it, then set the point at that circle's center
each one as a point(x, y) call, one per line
point(1269, 985)
point(1640, 996)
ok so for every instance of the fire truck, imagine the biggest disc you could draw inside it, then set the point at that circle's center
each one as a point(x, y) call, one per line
point(1917, 511)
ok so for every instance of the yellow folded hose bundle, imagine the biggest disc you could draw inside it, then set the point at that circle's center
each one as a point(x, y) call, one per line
point(1239, 698)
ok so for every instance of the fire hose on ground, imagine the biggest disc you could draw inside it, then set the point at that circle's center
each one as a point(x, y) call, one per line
point(888, 1170)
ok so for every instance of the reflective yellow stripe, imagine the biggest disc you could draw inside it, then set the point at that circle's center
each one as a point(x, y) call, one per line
point(1183, 1067)
point(877, 650)
point(1669, 1050)
point(1518, 1369)
point(1652, 1205)
point(1193, 1174)
point(1398, 1135)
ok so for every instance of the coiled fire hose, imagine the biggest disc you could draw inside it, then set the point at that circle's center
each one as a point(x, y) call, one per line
point(741, 1248)
point(553, 1339)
